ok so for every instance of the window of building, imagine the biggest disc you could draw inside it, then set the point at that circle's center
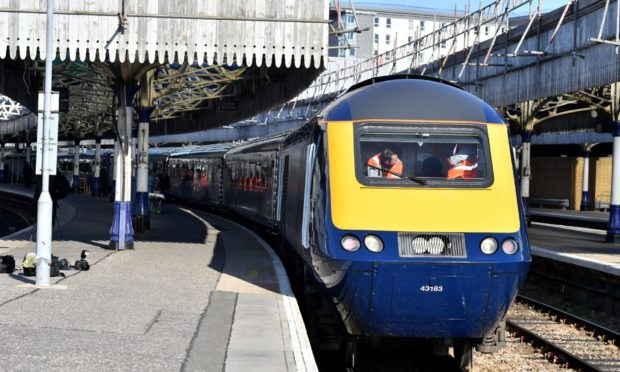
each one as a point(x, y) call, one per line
point(421, 25)
point(352, 52)
point(443, 44)
point(409, 39)
point(376, 38)
point(376, 21)
point(388, 22)
point(421, 57)
point(387, 39)
point(411, 24)
point(486, 30)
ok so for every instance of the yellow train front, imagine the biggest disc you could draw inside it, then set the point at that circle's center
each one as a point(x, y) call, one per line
point(402, 201)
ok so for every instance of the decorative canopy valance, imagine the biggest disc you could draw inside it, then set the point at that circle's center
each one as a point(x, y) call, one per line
point(202, 31)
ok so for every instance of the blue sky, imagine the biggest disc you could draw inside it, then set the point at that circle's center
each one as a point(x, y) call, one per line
point(449, 4)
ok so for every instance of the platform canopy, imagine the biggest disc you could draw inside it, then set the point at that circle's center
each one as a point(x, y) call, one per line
point(202, 63)
point(196, 31)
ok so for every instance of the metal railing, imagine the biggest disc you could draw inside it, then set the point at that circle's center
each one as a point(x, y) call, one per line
point(407, 56)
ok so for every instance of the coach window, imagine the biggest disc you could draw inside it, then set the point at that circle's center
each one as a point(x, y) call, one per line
point(233, 174)
point(246, 174)
point(444, 156)
point(178, 171)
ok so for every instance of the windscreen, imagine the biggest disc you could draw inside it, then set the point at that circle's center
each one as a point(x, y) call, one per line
point(423, 155)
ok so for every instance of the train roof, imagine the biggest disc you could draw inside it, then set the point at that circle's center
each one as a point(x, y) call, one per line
point(161, 151)
point(65, 153)
point(268, 142)
point(198, 150)
point(409, 97)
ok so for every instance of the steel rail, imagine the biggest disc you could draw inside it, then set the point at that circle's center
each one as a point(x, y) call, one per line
point(608, 334)
point(572, 360)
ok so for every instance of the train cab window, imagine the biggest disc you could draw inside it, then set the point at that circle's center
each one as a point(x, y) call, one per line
point(418, 155)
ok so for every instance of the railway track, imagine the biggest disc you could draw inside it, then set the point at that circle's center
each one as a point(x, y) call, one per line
point(563, 338)
point(603, 333)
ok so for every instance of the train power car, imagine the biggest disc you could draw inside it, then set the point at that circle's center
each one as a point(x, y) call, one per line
point(401, 205)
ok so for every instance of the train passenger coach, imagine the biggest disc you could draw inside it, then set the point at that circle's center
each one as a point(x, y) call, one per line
point(196, 174)
point(249, 179)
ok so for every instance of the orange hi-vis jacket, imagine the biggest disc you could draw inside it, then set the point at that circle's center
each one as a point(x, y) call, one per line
point(465, 169)
point(375, 161)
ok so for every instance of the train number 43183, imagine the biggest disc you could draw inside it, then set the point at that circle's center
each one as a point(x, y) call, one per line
point(431, 288)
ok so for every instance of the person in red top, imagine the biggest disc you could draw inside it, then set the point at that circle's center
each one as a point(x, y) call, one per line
point(464, 162)
point(385, 164)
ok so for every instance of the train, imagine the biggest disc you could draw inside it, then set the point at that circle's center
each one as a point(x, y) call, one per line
point(398, 206)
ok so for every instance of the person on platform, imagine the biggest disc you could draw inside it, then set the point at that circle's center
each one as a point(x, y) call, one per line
point(27, 174)
point(164, 184)
point(59, 188)
point(104, 181)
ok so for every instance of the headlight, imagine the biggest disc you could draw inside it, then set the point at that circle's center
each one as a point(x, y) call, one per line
point(350, 243)
point(373, 243)
point(436, 246)
point(419, 245)
point(488, 245)
point(510, 246)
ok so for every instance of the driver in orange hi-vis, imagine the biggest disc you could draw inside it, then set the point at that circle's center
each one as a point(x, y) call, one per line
point(385, 164)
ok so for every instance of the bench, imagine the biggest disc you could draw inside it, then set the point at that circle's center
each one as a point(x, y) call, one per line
point(603, 201)
point(549, 202)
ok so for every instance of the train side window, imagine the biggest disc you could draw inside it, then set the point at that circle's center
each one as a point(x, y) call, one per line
point(283, 172)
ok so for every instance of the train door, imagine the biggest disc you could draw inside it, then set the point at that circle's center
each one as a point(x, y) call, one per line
point(313, 223)
point(297, 157)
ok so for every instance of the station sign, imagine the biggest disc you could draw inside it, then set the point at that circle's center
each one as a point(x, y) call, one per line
point(51, 136)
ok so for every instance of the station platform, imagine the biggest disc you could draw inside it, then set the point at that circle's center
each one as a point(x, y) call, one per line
point(581, 246)
point(17, 189)
point(594, 219)
point(198, 293)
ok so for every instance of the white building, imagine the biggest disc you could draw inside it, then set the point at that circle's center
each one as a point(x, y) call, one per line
point(394, 25)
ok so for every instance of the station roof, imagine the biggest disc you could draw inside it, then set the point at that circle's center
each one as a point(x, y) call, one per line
point(196, 31)
point(201, 64)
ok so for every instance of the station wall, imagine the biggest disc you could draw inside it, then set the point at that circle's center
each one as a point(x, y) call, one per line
point(562, 178)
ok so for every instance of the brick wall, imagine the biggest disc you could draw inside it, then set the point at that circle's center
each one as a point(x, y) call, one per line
point(602, 183)
point(561, 178)
point(553, 178)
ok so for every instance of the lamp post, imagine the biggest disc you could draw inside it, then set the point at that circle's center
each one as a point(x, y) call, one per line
point(47, 138)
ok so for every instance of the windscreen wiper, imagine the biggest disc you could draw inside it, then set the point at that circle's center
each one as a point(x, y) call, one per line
point(411, 178)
